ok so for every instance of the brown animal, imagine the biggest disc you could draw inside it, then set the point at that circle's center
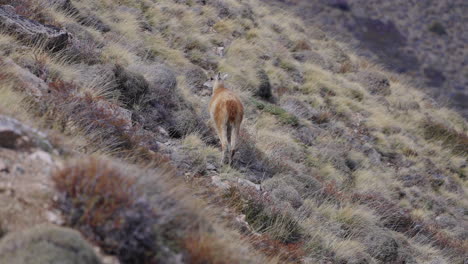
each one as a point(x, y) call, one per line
point(227, 112)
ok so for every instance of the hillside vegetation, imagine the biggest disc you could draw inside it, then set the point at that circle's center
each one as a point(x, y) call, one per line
point(422, 39)
point(340, 161)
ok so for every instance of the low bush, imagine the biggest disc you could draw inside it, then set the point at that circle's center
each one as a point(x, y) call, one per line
point(102, 202)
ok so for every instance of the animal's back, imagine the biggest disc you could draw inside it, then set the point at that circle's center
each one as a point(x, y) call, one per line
point(225, 104)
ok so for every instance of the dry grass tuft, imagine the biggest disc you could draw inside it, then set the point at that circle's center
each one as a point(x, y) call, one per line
point(451, 138)
point(205, 249)
point(264, 215)
point(287, 253)
point(102, 202)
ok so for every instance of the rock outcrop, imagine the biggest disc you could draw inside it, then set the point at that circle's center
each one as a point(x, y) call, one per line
point(32, 32)
point(14, 134)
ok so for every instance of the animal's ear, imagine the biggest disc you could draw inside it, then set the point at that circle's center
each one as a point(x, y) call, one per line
point(218, 76)
point(225, 76)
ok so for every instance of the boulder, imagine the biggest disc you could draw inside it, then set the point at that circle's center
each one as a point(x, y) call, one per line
point(14, 134)
point(46, 244)
point(30, 83)
point(32, 32)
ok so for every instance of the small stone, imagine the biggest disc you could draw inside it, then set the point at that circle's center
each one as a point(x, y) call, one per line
point(42, 156)
point(220, 51)
point(163, 131)
point(248, 183)
point(218, 182)
point(210, 166)
point(54, 218)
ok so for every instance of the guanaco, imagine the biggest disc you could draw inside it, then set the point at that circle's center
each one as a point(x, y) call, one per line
point(227, 112)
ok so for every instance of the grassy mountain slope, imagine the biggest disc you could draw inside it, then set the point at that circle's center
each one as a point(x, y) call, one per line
point(343, 163)
point(424, 40)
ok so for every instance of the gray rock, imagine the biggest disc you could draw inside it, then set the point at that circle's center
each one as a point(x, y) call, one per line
point(210, 166)
point(247, 183)
point(10, 133)
point(30, 83)
point(30, 31)
point(46, 244)
point(42, 156)
point(14, 134)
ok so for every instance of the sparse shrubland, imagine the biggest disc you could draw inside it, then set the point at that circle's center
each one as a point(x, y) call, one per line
point(339, 161)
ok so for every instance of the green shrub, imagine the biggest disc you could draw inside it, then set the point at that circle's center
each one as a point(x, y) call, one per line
point(283, 116)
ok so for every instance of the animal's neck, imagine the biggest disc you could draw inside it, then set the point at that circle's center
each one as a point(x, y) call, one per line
point(218, 87)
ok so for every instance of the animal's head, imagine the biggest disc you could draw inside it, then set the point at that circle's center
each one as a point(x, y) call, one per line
point(216, 81)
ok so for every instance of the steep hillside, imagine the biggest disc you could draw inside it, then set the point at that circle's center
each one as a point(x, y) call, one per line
point(423, 39)
point(339, 160)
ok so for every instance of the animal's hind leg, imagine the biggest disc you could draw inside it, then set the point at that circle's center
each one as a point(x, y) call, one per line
point(233, 143)
point(224, 143)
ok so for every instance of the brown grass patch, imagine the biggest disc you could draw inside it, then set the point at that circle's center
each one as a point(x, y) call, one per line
point(102, 202)
point(457, 141)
